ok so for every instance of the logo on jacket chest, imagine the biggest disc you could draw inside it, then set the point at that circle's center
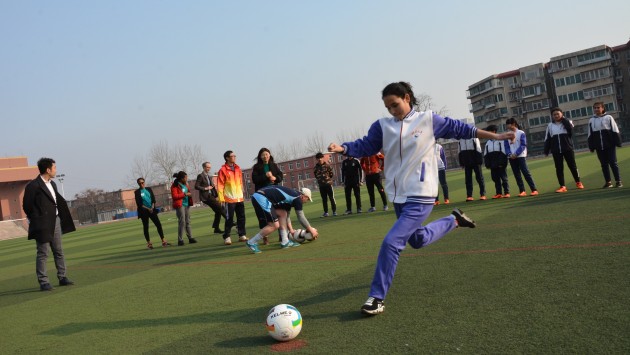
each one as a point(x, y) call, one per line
point(416, 132)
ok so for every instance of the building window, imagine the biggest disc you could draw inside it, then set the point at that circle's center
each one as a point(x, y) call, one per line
point(298, 165)
point(290, 166)
point(306, 163)
point(307, 176)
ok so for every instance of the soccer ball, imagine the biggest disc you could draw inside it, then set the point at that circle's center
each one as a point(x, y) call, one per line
point(308, 235)
point(300, 235)
point(284, 322)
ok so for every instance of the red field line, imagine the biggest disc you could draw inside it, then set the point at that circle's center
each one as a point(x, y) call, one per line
point(353, 258)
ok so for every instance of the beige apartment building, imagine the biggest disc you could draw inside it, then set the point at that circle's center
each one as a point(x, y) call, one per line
point(572, 81)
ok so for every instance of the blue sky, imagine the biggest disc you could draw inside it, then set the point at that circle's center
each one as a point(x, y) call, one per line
point(95, 83)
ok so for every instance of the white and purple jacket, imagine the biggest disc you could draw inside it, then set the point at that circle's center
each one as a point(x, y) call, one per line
point(517, 147)
point(411, 168)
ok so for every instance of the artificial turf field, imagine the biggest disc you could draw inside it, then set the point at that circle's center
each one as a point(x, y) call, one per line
point(545, 274)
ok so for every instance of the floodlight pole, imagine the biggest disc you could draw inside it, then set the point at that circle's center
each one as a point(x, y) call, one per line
point(60, 178)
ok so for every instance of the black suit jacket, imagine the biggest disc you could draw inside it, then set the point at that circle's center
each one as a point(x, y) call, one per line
point(41, 210)
point(201, 184)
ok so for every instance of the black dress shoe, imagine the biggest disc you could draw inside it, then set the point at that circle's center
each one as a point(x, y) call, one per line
point(218, 231)
point(46, 287)
point(64, 281)
point(180, 243)
point(192, 240)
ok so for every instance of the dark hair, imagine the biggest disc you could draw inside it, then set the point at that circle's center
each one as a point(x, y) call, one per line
point(513, 121)
point(204, 164)
point(259, 160)
point(227, 154)
point(138, 180)
point(492, 128)
point(554, 109)
point(179, 176)
point(600, 103)
point(400, 89)
point(44, 164)
point(319, 155)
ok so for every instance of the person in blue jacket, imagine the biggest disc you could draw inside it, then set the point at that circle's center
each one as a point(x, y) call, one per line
point(408, 142)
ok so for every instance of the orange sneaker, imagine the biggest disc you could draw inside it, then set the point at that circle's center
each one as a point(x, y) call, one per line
point(468, 199)
point(560, 190)
point(482, 198)
point(436, 203)
point(522, 194)
point(498, 196)
point(446, 202)
point(534, 193)
point(579, 185)
point(506, 196)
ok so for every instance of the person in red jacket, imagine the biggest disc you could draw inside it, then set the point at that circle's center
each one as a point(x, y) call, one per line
point(372, 167)
point(182, 200)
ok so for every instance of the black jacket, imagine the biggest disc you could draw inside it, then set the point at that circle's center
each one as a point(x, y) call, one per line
point(41, 210)
point(558, 138)
point(260, 179)
point(351, 172)
point(143, 212)
point(604, 138)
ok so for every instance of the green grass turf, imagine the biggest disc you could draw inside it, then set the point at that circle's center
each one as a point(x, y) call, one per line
point(546, 274)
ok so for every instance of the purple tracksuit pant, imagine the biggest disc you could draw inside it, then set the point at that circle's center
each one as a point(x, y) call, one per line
point(408, 228)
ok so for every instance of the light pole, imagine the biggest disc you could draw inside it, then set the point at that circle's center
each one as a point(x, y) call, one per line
point(60, 178)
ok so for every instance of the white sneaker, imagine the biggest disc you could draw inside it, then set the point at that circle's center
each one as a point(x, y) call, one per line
point(242, 238)
point(372, 209)
point(385, 208)
point(227, 241)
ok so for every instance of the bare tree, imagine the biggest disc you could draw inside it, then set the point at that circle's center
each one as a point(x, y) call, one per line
point(189, 158)
point(280, 152)
point(164, 160)
point(90, 196)
point(351, 134)
point(425, 102)
point(315, 143)
point(141, 167)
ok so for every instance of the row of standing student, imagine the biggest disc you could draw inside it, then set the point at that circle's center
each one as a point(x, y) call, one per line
point(603, 137)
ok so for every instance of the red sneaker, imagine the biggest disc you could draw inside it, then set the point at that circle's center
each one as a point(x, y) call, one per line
point(579, 185)
point(482, 198)
point(468, 199)
point(506, 196)
point(446, 202)
point(499, 196)
point(436, 203)
point(522, 194)
point(560, 190)
point(534, 193)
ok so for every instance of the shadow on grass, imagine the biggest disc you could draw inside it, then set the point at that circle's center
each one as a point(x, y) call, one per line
point(244, 316)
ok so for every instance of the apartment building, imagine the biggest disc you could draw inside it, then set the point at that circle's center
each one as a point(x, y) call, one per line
point(572, 81)
point(621, 72)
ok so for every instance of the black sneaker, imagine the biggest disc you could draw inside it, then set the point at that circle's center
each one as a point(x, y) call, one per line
point(64, 281)
point(46, 287)
point(607, 185)
point(462, 219)
point(218, 231)
point(180, 243)
point(618, 184)
point(373, 306)
point(192, 240)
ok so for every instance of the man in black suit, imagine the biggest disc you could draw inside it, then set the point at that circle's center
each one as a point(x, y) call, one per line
point(145, 201)
point(49, 217)
point(208, 195)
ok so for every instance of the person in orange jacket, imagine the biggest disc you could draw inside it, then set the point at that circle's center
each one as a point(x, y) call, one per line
point(372, 167)
point(182, 200)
